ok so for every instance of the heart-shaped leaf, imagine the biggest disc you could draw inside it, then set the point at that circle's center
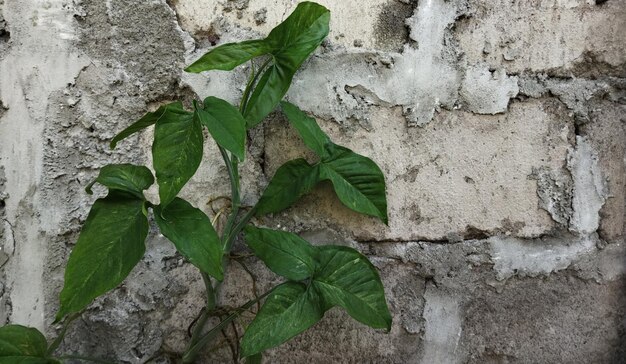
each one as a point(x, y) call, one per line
point(286, 254)
point(292, 42)
point(291, 181)
point(290, 309)
point(347, 279)
point(193, 235)
point(124, 177)
point(149, 119)
point(225, 123)
point(289, 44)
point(176, 151)
point(357, 180)
point(110, 244)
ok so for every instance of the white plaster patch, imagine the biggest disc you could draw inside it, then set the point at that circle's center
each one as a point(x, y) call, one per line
point(442, 327)
point(488, 92)
point(590, 189)
point(531, 258)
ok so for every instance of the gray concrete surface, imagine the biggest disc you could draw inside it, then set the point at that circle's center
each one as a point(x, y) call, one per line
point(500, 127)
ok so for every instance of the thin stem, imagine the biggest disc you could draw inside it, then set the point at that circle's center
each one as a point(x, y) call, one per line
point(237, 229)
point(59, 339)
point(85, 358)
point(233, 175)
point(253, 79)
point(194, 350)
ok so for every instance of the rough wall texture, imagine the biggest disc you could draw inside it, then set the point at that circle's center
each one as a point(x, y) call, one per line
point(500, 126)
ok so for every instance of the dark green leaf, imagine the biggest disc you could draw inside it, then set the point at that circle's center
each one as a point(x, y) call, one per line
point(22, 342)
point(291, 42)
point(358, 182)
point(346, 278)
point(255, 359)
point(110, 244)
point(291, 181)
point(124, 177)
point(289, 310)
point(176, 151)
point(230, 55)
point(147, 120)
point(286, 254)
point(192, 233)
point(225, 124)
point(308, 129)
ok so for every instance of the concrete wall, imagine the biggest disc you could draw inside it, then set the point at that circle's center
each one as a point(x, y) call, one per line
point(499, 126)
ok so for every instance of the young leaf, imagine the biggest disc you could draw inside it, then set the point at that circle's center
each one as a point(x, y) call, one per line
point(308, 129)
point(225, 124)
point(110, 244)
point(347, 278)
point(193, 234)
point(176, 151)
point(291, 181)
point(358, 182)
point(289, 310)
point(124, 177)
point(291, 42)
point(229, 55)
point(147, 120)
point(21, 344)
point(286, 254)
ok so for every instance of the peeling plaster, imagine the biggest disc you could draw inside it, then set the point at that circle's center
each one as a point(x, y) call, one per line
point(488, 92)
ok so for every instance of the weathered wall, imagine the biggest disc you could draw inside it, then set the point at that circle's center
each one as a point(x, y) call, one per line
point(500, 126)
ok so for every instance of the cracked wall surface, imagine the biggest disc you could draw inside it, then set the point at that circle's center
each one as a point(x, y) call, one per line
point(500, 127)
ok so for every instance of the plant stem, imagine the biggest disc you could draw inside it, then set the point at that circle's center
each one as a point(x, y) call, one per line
point(194, 350)
point(85, 358)
point(233, 175)
point(237, 229)
point(252, 81)
point(230, 232)
point(59, 339)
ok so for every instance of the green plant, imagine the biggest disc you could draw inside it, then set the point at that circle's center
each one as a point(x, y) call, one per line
point(318, 278)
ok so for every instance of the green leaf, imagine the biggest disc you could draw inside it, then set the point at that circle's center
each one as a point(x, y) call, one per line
point(291, 181)
point(147, 120)
point(289, 310)
point(358, 182)
point(292, 42)
point(347, 278)
point(307, 127)
point(230, 55)
point(22, 343)
point(286, 254)
point(225, 124)
point(176, 151)
point(110, 244)
point(124, 177)
point(255, 359)
point(193, 235)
